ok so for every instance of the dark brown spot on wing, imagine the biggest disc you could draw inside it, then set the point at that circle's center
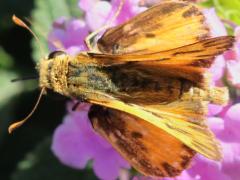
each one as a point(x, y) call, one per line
point(136, 134)
point(150, 35)
point(106, 119)
point(186, 160)
point(149, 151)
point(171, 171)
point(203, 36)
point(171, 7)
point(193, 11)
point(187, 52)
point(144, 25)
point(203, 62)
point(150, 169)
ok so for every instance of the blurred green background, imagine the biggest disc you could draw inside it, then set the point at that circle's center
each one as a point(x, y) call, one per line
point(26, 154)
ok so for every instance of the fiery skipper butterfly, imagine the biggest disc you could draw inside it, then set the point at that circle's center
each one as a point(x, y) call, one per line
point(148, 82)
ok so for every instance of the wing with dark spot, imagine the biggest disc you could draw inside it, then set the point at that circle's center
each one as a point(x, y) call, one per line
point(168, 25)
point(149, 149)
point(188, 62)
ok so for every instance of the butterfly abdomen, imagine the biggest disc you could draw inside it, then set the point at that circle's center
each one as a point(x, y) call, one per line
point(138, 86)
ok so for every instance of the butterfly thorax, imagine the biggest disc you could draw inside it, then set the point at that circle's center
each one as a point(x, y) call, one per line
point(75, 76)
point(53, 73)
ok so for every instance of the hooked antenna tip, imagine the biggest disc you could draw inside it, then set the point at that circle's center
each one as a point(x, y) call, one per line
point(16, 125)
point(18, 21)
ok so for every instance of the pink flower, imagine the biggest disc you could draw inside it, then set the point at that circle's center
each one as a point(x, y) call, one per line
point(233, 63)
point(233, 69)
point(64, 33)
point(217, 70)
point(214, 109)
point(216, 26)
point(98, 13)
point(237, 46)
point(216, 29)
point(75, 143)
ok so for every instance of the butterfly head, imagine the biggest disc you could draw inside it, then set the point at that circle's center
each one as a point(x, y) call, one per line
point(53, 71)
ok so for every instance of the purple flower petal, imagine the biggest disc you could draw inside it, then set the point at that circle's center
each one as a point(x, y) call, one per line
point(233, 69)
point(217, 70)
point(209, 170)
point(66, 145)
point(75, 143)
point(231, 160)
point(233, 114)
point(64, 33)
point(97, 16)
point(106, 167)
point(214, 109)
point(216, 124)
point(129, 10)
point(86, 5)
point(101, 12)
point(232, 124)
point(237, 44)
point(217, 28)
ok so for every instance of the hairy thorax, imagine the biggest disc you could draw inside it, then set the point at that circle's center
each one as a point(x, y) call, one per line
point(74, 76)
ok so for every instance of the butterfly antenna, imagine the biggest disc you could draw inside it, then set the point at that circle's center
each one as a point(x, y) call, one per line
point(89, 38)
point(20, 23)
point(54, 41)
point(16, 125)
point(25, 78)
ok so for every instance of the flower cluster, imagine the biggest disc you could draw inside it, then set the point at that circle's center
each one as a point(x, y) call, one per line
point(75, 142)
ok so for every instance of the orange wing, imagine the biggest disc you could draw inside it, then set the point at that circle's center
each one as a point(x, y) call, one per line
point(168, 25)
point(188, 62)
point(149, 149)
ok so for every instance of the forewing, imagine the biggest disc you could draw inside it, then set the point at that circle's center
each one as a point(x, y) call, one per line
point(150, 150)
point(169, 25)
point(187, 62)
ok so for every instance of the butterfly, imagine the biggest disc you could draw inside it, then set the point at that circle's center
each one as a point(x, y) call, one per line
point(148, 82)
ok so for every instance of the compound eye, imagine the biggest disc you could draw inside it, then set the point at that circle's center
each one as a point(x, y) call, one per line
point(55, 54)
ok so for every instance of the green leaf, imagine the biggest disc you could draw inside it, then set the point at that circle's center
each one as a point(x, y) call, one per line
point(41, 164)
point(44, 14)
point(5, 59)
point(8, 8)
point(229, 10)
point(208, 3)
point(8, 89)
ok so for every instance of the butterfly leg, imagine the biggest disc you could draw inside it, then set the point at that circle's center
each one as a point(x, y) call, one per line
point(75, 106)
point(78, 102)
point(90, 41)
